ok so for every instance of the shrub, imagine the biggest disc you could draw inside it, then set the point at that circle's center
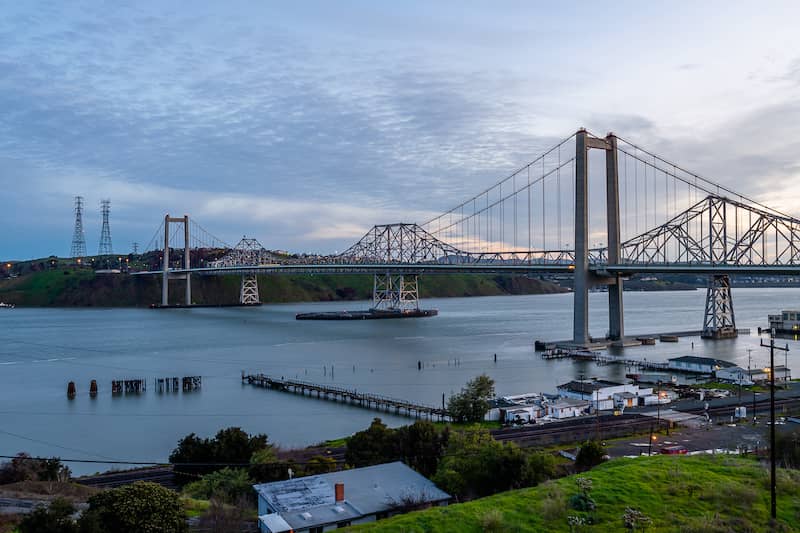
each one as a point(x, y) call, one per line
point(591, 454)
point(55, 518)
point(492, 521)
point(142, 507)
point(228, 485)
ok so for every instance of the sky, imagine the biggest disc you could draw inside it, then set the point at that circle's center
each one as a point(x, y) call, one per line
point(302, 124)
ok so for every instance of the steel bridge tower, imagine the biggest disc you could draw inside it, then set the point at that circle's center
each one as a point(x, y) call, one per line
point(395, 292)
point(166, 276)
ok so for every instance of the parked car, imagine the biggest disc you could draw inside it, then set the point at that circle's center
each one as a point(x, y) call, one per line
point(674, 450)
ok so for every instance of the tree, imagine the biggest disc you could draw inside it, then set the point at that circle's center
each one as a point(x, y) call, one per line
point(23, 467)
point(264, 466)
point(143, 507)
point(231, 446)
point(472, 403)
point(476, 465)
point(319, 464)
point(421, 446)
point(374, 445)
point(55, 518)
point(591, 454)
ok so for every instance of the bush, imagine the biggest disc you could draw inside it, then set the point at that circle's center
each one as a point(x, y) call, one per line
point(493, 522)
point(55, 518)
point(228, 485)
point(142, 507)
point(591, 454)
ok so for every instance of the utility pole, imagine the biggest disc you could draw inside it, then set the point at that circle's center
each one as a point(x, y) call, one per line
point(773, 503)
point(753, 386)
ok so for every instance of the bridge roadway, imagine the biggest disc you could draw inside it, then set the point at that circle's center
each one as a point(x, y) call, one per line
point(599, 269)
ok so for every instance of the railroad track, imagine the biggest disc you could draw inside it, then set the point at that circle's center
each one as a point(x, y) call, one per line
point(163, 475)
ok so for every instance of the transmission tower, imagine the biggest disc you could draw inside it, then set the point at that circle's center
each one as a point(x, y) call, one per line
point(105, 247)
point(135, 248)
point(78, 248)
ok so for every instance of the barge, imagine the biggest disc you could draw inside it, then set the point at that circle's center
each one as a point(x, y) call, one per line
point(371, 314)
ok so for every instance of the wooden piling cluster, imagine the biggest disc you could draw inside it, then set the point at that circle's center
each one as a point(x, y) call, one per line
point(353, 397)
point(128, 386)
point(175, 384)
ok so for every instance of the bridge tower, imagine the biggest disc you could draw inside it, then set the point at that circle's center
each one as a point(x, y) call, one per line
point(719, 322)
point(165, 275)
point(248, 291)
point(584, 279)
point(395, 292)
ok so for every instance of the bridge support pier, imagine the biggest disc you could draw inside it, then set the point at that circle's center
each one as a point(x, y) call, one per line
point(720, 321)
point(248, 292)
point(165, 275)
point(584, 279)
point(395, 292)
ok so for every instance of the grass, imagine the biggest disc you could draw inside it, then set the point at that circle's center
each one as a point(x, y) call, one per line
point(194, 507)
point(730, 387)
point(699, 493)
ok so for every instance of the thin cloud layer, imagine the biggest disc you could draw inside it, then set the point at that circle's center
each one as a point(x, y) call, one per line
point(305, 126)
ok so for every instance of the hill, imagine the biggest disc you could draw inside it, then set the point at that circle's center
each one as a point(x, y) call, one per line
point(687, 494)
point(67, 287)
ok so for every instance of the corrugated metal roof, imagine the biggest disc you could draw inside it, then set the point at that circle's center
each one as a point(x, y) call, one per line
point(367, 491)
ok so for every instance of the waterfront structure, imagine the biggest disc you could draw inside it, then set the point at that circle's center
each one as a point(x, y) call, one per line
point(338, 499)
point(735, 374)
point(786, 322)
point(567, 408)
point(761, 375)
point(698, 365)
point(605, 395)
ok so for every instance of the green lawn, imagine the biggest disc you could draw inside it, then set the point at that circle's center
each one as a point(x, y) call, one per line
point(687, 494)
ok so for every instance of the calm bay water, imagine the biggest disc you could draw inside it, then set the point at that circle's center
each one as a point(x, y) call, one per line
point(41, 350)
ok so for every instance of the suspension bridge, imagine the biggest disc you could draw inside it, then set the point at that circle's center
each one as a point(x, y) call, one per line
point(640, 213)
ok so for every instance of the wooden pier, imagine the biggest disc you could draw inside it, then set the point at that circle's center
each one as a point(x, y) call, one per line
point(353, 397)
point(603, 359)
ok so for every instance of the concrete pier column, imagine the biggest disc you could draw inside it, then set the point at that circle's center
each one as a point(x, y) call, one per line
point(616, 319)
point(580, 321)
point(165, 265)
point(186, 259)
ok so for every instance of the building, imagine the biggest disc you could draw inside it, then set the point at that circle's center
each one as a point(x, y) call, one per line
point(786, 322)
point(324, 502)
point(699, 365)
point(604, 395)
point(734, 374)
point(761, 375)
point(567, 408)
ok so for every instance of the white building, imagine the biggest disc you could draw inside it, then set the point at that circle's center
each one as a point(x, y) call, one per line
point(324, 502)
point(734, 374)
point(604, 395)
point(700, 365)
point(567, 408)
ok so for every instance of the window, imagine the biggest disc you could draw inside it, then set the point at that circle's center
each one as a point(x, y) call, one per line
point(343, 524)
point(315, 530)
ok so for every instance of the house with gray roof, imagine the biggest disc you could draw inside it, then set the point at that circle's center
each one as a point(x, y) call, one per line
point(338, 499)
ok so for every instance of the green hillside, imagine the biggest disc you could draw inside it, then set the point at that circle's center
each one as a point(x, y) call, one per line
point(685, 494)
point(65, 286)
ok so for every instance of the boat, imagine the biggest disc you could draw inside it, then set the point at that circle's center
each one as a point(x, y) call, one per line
point(4, 305)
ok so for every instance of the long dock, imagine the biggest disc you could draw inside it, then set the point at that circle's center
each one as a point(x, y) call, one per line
point(603, 359)
point(351, 396)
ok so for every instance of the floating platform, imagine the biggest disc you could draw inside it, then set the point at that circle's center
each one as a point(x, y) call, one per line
point(192, 306)
point(367, 315)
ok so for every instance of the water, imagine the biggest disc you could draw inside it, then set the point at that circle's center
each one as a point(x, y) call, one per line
point(41, 350)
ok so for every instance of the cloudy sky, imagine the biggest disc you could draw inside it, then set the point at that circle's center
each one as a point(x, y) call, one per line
point(305, 123)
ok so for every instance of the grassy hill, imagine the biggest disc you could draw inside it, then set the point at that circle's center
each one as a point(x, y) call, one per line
point(65, 286)
point(686, 494)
